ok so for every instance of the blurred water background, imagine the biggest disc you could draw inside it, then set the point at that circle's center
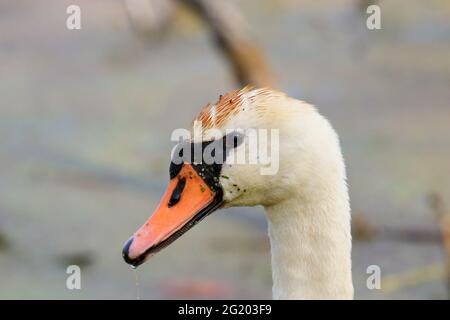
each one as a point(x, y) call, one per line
point(85, 123)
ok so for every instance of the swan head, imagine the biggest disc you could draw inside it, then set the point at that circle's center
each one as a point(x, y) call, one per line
point(252, 147)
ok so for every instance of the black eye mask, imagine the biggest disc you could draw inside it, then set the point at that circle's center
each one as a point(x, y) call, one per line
point(217, 149)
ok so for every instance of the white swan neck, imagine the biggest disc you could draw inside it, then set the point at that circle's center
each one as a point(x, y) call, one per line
point(311, 249)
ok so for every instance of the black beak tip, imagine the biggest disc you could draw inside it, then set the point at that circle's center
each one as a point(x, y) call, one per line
point(133, 262)
point(125, 252)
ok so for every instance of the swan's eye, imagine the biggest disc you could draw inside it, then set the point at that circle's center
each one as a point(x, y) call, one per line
point(233, 139)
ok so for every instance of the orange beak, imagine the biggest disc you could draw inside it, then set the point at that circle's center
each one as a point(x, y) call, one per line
point(188, 200)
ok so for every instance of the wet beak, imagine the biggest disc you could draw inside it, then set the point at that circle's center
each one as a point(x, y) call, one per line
point(188, 199)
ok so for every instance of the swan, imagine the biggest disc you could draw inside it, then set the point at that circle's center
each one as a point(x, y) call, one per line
point(306, 201)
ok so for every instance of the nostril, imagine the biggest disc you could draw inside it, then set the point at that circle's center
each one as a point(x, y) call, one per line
point(126, 249)
point(176, 194)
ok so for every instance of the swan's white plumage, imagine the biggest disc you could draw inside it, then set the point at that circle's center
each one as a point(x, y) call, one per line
point(306, 202)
